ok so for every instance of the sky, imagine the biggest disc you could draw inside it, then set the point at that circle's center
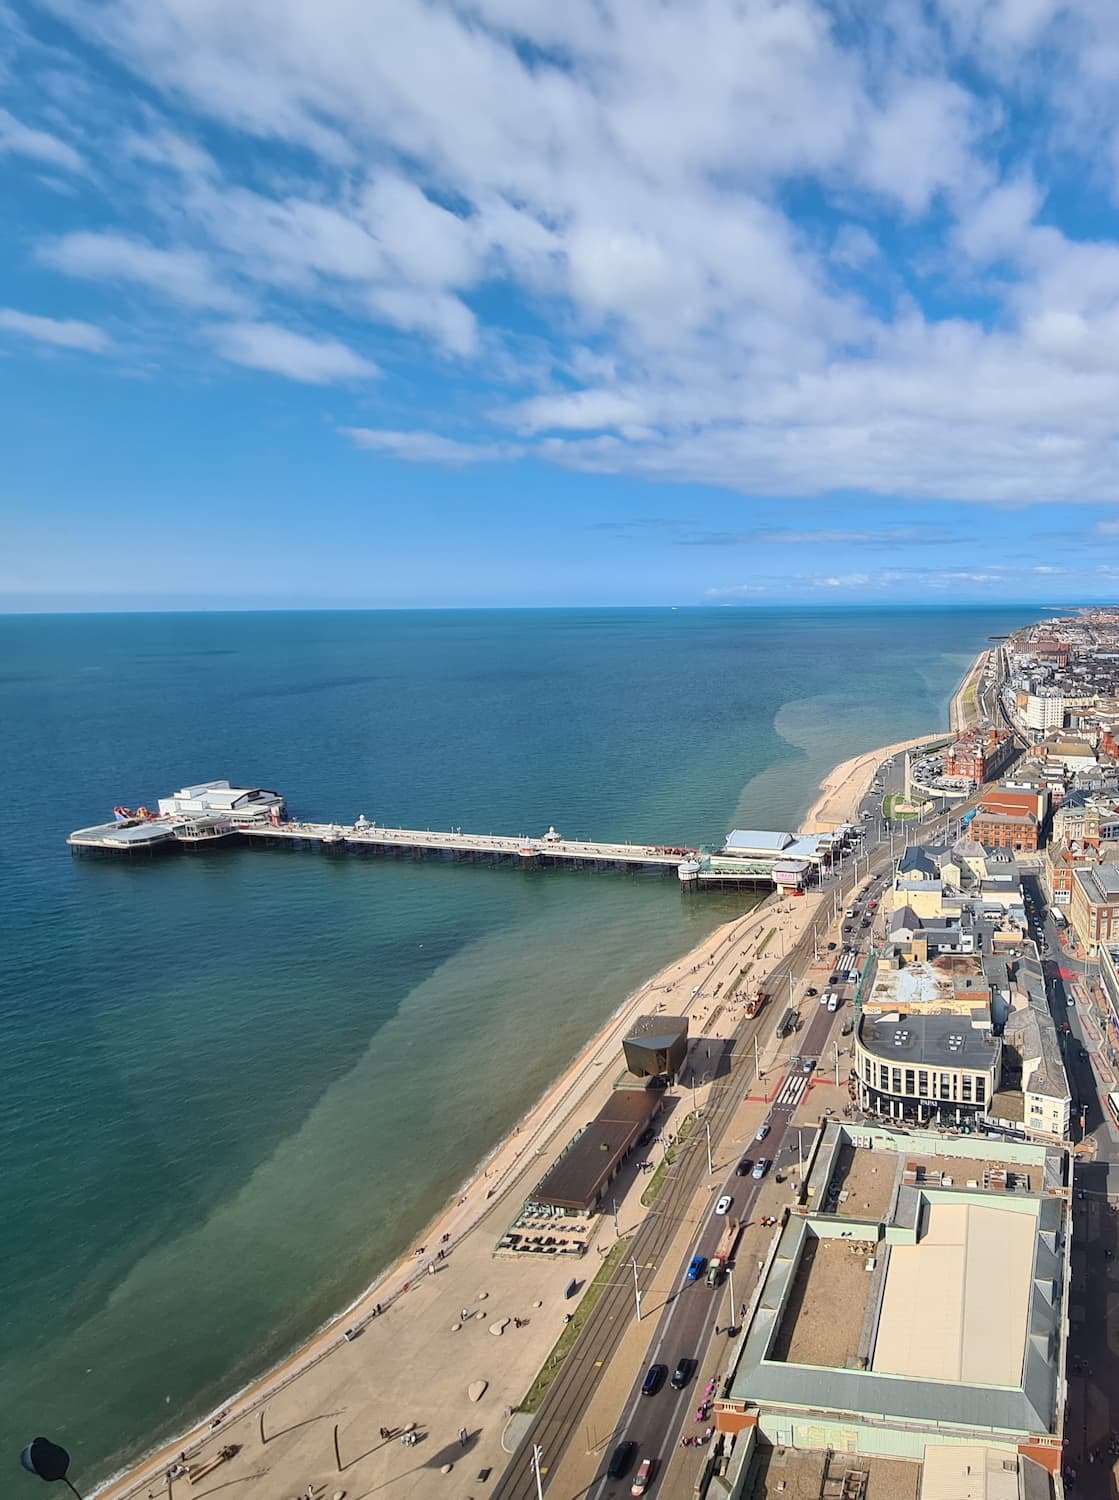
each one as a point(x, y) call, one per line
point(416, 303)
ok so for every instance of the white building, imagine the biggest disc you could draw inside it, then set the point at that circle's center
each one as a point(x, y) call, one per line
point(218, 799)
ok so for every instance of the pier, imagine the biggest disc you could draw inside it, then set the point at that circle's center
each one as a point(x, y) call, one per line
point(214, 814)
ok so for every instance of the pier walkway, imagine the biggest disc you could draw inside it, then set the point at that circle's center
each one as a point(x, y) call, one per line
point(546, 850)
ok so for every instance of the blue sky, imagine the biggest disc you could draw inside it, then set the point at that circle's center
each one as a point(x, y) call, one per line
point(385, 302)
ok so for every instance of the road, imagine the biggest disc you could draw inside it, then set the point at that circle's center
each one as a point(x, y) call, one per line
point(687, 1321)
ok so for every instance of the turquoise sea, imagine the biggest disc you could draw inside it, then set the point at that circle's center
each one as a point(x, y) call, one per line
point(234, 1086)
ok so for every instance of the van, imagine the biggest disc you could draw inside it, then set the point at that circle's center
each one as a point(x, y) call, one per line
point(833, 1002)
point(848, 1026)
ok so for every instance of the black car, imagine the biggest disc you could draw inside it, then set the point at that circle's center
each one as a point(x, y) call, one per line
point(811, 993)
point(832, 947)
point(655, 1377)
point(834, 979)
point(621, 1460)
point(744, 1167)
point(865, 922)
point(682, 1373)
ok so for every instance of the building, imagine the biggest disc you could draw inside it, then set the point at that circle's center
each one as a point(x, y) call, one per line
point(979, 755)
point(1010, 819)
point(1042, 711)
point(926, 1067)
point(914, 1305)
point(210, 798)
point(577, 1183)
point(1093, 906)
point(657, 1046)
point(1109, 990)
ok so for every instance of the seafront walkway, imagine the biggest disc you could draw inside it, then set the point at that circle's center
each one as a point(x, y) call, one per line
point(522, 847)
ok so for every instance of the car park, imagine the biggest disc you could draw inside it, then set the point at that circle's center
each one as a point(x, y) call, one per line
point(762, 1131)
point(695, 1268)
point(655, 1377)
point(642, 1477)
point(744, 1167)
point(682, 1373)
point(724, 1203)
point(761, 1167)
point(621, 1460)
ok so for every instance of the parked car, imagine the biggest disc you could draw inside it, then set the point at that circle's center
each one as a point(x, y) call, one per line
point(682, 1373)
point(761, 1167)
point(723, 1205)
point(621, 1460)
point(655, 1377)
point(642, 1477)
point(695, 1269)
point(832, 947)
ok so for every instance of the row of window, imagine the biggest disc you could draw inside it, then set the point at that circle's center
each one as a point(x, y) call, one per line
point(926, 1083)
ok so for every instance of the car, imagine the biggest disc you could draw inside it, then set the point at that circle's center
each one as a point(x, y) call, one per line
point(724, 1203)
point(810, 992)
point(832, 947)
point(762, 1131)
point(744, 1167)
point(872, 906)
point(682, 1373)
point(865, 922)
point(655, 1377)
point(835, 979)
point(621, 1460)
point(695, 1269)
point(808, 1064)
point(761, 1167)
point(641, 1478)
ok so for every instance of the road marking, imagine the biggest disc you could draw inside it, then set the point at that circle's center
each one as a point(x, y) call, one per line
point(792, 1089)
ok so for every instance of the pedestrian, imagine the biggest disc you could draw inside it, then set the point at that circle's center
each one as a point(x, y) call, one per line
point(464, 1314)
point(462, 1436)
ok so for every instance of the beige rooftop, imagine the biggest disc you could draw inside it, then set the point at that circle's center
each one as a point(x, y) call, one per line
point(955, 1304)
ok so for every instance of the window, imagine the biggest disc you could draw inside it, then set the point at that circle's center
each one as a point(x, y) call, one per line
point(945, 1086)
point(897, 1081)
point(980, 1090)
point(923, 1083)
point(965, 1089)
point(909, 1083)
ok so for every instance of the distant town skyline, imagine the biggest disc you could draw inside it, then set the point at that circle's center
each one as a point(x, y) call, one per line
point(487, 305)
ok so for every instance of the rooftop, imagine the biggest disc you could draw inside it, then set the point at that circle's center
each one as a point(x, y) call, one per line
point(757, 840)
point(932, 1041)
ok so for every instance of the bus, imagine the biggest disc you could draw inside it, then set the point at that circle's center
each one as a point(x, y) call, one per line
point(788, 1023)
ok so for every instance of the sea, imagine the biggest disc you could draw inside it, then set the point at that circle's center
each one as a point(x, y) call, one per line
point(234, 1086)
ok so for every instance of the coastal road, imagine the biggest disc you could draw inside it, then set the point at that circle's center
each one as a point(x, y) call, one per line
point(690, 1330)
point(686, 1328)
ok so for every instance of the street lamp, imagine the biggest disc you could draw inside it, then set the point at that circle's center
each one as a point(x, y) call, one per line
point(48, 1460)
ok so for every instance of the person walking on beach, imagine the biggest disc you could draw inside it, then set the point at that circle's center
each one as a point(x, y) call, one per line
point(462, 1436)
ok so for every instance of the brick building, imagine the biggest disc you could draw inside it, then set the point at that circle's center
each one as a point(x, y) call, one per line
point(979, 755)
point(1094, 908)
point(1008, 819)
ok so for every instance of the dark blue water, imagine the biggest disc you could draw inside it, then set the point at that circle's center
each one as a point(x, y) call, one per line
point(234, 1086)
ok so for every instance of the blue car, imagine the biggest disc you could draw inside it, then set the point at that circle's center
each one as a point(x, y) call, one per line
point(695, 1270)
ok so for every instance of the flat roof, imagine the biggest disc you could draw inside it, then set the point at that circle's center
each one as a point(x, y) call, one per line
point(589, 1162)
point(969, 1273)
point(759, 839)
point(934, 1041)
point(657, 1031)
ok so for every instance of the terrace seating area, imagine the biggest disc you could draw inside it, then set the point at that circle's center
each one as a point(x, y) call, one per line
point(537, 1236)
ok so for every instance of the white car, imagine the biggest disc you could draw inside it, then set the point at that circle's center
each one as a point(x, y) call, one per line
point(724, 1203)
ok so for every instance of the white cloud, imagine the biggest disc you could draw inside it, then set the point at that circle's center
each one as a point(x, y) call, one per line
point(18, 139)
point(842, 581)
point(736, 591)
point(279, 351)
point(429, 447)
point(184, 276)
point(64, 333)
point(592, 204)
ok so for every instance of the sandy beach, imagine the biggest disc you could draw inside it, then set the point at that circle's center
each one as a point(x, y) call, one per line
point(299, 1424)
